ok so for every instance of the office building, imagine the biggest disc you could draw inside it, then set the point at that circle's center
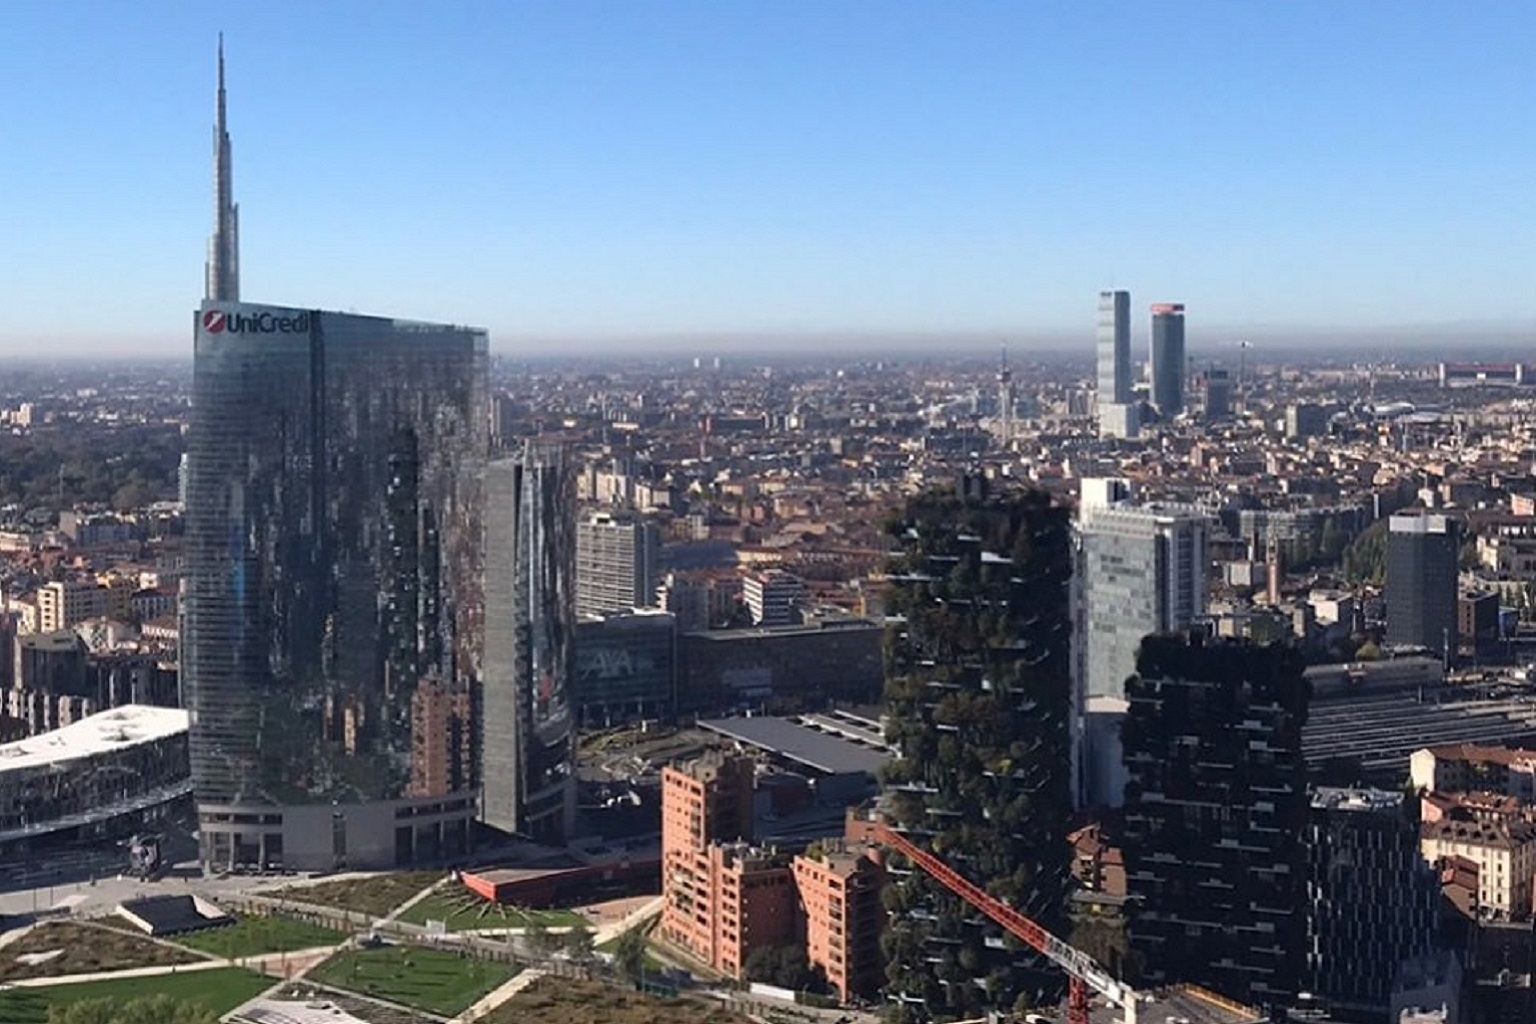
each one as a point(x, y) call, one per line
point(1217, 384)
point(1118, 413)
point(615, 564)
point(1215, 808)
point(1423, 551)
point(100, 778)
point(1168, 369)
point(1141, 570)
point(784, 668)
point(332, 559)
point(1304, 420)
point(528, 735)
point(1372, 903)
point(992, 653)
point(332, 563)
point(626, 667)
point(773, 597)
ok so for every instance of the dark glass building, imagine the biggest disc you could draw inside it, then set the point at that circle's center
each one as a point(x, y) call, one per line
point(333, 539)
point(1373, 904)
point(1423, 550)
point(1215, 807)
point(1168, 368)
point(528, 716)
point(626, 667)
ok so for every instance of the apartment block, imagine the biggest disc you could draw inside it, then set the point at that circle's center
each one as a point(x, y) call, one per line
point(1502, 847)
point(839, 892)
point(1468, 767)
point(1215, 810)
point(63, 603)
point(724, 897)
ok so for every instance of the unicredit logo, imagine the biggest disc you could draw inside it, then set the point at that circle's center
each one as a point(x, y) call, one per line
point(217, 321)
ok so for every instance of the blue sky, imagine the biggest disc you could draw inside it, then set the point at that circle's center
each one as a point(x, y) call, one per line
point(580, 171)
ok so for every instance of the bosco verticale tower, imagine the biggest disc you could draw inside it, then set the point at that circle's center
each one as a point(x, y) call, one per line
point(978, 695)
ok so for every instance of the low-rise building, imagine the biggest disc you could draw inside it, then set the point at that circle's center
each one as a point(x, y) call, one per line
point(1468, 767)
point(1504, 850)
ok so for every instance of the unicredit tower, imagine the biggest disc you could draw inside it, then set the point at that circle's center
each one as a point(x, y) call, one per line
point(330, 634)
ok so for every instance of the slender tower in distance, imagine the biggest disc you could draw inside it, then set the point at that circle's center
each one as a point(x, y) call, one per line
point(223, 267)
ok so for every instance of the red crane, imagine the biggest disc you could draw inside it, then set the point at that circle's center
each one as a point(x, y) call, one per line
point(1083, 972)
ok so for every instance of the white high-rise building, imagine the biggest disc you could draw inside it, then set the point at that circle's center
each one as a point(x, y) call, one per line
point(1117, 408)
point(1141, 570)
point(615, 564)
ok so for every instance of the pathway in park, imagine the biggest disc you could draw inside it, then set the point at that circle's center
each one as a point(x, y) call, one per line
point(499, 995)
point(408, 904)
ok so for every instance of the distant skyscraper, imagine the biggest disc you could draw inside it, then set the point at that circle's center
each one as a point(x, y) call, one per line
point(1114, 347)
point(1218, 393)
point(615, 564)
point(1168, 370)
point(1007, 398)
point(1215, 805)
point(1117, 413)
point(1141, 570)
point(223, 267)
point(528, 738)
point(332, 547)
point(1423, 550)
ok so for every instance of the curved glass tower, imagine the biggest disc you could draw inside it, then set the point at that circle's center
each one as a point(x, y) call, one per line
point(530, 624)
point(331, 605)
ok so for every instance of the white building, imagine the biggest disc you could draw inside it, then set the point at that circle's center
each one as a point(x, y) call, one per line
point(1141, 570)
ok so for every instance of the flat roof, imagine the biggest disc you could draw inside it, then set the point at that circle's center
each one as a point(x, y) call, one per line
point(832, 755)
point(101, 733)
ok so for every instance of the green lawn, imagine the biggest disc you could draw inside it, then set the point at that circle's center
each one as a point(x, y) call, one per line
point(375, 895)
point(252, 935)
point(221, 990)
point(465, 911)
point(426, 979)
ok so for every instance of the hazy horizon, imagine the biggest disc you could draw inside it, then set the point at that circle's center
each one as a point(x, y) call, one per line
point(1216, 343)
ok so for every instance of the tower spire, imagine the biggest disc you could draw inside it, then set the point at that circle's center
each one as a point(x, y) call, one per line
point(223, 267)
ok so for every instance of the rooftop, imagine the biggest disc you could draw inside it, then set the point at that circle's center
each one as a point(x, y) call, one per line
point(1335, 799)
point(96, 734)
point(832, 755)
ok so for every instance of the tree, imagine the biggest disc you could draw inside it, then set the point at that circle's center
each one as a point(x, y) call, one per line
point(578, 941)
point(537, 938)
point(157, 1009)
point(629, 953)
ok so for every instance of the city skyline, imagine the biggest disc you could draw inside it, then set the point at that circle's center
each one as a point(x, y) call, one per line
point(669, 175)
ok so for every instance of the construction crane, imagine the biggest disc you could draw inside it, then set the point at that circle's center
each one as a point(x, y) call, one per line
point(1083, 972)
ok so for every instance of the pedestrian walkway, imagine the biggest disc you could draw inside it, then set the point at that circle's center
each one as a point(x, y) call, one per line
point(500, 995)
point(131, 972)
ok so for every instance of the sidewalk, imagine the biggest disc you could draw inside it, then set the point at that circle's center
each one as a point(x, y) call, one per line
point(495, 998)
point(131, 972)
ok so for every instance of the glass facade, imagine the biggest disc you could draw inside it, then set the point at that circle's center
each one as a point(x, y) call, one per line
point(1168, 370)
point(530, 619)
point(333, 531)
point(1141, 570)
point(626, 667)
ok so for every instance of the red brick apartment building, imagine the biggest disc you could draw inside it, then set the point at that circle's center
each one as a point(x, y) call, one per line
point(726, 898)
